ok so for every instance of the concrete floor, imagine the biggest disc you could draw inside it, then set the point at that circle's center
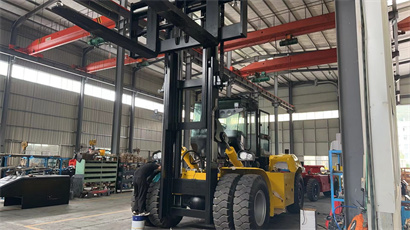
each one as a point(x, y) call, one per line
point(113, 212)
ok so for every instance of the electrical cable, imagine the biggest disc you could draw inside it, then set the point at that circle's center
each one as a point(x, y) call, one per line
point(334, 215)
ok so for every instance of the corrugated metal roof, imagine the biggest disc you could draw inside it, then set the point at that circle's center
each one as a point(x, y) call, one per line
point(261, 14)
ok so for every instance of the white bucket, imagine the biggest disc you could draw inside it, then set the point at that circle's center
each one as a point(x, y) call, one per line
point(138, 222)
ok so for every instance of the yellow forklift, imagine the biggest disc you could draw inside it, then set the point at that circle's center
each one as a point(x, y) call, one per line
point(216, 166)
point(250, 185)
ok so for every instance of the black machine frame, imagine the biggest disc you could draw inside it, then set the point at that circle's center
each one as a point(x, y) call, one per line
point(174, 126)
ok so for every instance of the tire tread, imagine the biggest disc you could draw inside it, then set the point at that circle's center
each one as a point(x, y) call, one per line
point(223, 202)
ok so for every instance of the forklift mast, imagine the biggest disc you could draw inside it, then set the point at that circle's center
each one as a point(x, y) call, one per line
point(179, 91)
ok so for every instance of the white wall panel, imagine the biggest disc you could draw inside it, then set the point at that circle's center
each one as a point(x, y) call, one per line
point(311, 137)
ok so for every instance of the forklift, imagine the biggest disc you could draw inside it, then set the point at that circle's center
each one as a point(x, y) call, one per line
point(249, 184)
point(217, 165)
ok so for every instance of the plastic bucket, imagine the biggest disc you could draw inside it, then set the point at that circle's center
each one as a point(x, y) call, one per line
point(138, 222)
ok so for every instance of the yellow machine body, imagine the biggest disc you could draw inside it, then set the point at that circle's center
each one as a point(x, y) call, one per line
point(280, 178)
point(291, 160)
point(188, 159)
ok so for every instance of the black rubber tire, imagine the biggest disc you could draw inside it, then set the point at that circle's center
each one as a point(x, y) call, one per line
point(223, 202)
point(153, 209)
point(313, 189)
point(243, 204)
point(299, 195)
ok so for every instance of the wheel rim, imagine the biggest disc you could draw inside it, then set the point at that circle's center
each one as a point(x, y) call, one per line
point(260, 207)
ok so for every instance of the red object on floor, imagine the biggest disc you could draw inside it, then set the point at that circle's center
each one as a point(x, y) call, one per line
point(72, 162)
point(337, 211)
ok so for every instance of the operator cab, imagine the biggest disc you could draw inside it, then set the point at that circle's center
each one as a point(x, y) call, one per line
point(243, 123)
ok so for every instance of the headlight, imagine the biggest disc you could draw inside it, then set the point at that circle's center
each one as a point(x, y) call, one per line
point(243, 155)
point(246, 156)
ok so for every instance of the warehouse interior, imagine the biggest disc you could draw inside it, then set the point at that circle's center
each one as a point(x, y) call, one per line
point(330, 80)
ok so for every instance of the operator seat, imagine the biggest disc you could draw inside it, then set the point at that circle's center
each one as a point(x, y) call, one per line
point(236, 139)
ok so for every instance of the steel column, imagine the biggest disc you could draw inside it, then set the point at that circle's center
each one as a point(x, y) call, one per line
point(228, 66)
point(396, 50)
point(291, 131)
point(119, 81)
point(276, 108)
point(351, 101)
point(209, 73)
point(170, 120)
point(187, 106)
point(80, 108)
point(229, 59)
point(6, 100)
point(382, 151)
point(132, 113)
point(81, 101)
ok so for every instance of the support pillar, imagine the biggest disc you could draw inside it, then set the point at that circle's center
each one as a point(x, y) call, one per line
point(276, 108)
point(119, 81)
point(80, 108)
point(291, 131)
point(170, 132)
point(6, 100)
point(80, 115)
point(384, 188)
point(228, 65)
point(132, 112)
point(229, 59)
point(350, 67)
point(187, 106)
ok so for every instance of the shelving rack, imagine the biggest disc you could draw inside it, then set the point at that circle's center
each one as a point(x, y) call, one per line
point(333, 173)
point(99, 173)
point(126, 176)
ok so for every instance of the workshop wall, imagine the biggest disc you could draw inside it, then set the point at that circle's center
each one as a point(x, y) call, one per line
point(311, 137)
point(41, 114)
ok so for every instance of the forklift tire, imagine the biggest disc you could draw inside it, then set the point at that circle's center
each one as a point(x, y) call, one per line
point(223, 202)
point(313, 189)
point(299, 195)
point(251, 203)
point(153, 209)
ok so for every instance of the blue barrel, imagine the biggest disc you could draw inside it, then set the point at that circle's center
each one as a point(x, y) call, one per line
point(138, 222)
